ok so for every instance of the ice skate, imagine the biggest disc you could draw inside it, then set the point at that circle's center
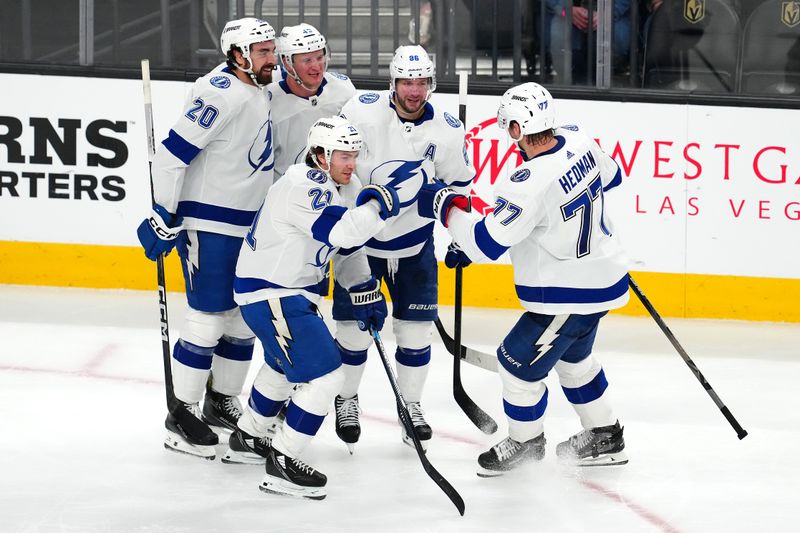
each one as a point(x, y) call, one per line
point(421, 428)
point(245, 449)
point(509, 454)
point(602, 446)
point(348, 427)
point(187, 433)
point(292, 477)
point(221, 411)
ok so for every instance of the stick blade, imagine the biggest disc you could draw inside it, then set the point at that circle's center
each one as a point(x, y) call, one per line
point(477, 416)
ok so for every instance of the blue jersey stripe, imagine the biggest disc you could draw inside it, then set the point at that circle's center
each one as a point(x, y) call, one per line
point(464, 183)
point(180, 147)
point(235, 351)
point(572, 295)
point(263, 405)
point(589, 392)
point(228, 215)
point(193, 356)
point(615, 181)
point(245, 285)
point(409, 357)
point(418, 236)
point(322, 227)
point(302, 421)
point(486, 243)
point(526, 413)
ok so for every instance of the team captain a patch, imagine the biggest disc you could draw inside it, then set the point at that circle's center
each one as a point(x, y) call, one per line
point(520, 175)
point(221, 82)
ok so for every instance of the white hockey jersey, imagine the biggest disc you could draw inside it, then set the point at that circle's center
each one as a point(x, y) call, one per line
point(303, 222)
point(292, 116)
point(403, 155)
point(215, 166)
point(549, 214)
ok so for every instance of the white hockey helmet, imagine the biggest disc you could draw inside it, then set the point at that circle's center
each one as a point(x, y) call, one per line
point(241, 33)
point(333, 133)
point(412, 61)
point(300, 39)
point(530, 105)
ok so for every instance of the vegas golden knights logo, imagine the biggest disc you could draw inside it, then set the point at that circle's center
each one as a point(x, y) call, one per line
point(790, 13)
point(694, 10)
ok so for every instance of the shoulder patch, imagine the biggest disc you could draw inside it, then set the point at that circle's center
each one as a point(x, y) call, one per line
point(317, 176)
point(570, 127)
point(369, 98)
point(520, 175)
point(338, 75)
point(453, 121)
point(221, 82)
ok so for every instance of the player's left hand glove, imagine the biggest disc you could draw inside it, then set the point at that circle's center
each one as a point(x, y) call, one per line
point(456, 257)
point(158, 232)
point(369, 305)
point(384, 196)
point(436, 199)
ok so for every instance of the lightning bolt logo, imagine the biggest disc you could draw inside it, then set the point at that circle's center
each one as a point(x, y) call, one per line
point(192, 256)
point(548, 337)
point(282, 333)
point(406, 177)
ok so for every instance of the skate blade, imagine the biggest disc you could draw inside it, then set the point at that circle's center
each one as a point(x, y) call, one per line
point(351, 447)
point(175, 443)
point(271, 485)
point(232, 457)
point(217, 426)
point(408, 441)
point(486, 473)
point(610, 459)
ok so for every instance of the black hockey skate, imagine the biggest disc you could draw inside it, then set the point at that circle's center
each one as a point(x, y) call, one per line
point(245, 449)
point(600, 446)
point(292, 477)
point(220, 410)
point(348, 427)
point(421, 428)
point(187, 433)
point(509, 454)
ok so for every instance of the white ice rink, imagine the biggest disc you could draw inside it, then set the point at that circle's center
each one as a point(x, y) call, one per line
point(82, 409)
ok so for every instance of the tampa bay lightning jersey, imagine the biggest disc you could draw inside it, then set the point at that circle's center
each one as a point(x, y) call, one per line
point(550, 216)
point(215, 166)
point(405, 154)
point(292, 115)
point(304, 222)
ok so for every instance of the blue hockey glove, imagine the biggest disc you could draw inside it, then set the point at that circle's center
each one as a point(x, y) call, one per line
point(369, 305)
point(436, 199)
point(386, 197)
point(158, 232)
point(455, 257)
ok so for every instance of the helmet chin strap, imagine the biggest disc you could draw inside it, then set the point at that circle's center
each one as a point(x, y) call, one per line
point(328, 155)
point(249, 72)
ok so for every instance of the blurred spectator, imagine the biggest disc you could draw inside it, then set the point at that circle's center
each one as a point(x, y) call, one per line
point(556, 12)
point(426, 26)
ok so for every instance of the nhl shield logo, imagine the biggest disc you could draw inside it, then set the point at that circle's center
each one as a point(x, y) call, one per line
point(694, 10)
point(790, 13)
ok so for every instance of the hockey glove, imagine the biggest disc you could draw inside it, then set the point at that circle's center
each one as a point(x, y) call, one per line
point(436, 199)
point(455, 257)
point(157, 233)
point(386, 198)
point(369, 305)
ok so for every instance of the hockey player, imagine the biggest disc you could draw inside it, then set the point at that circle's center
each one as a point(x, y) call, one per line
point(307, 92)
point(408, 142)
point(210, 175)
point(281, 276)
point(569, 270)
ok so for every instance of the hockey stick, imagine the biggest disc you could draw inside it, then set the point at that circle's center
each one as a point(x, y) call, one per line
point(478, 416)
point(740, 431)
point(405, 418)
point(196, 430)
point(468, 355)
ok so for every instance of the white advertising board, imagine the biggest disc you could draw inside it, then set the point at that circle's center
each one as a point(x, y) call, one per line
point(706, 190)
